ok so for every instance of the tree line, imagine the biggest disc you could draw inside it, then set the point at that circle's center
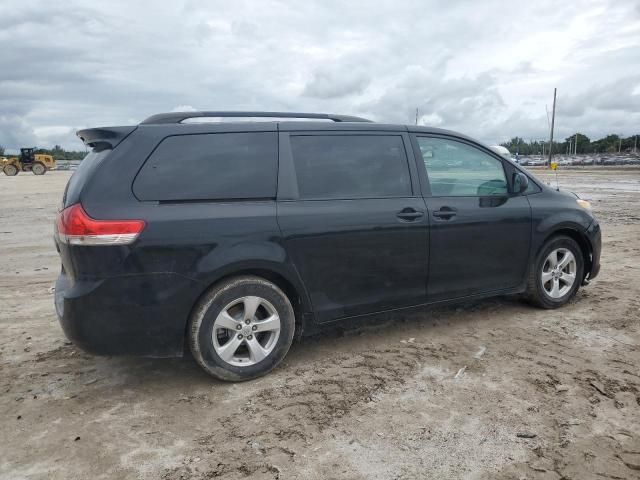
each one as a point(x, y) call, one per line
point(57, 152)
point(609, 144)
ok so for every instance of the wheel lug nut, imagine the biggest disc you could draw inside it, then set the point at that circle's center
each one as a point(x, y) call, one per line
point(240, 337)
point(254, 328)
point(238, 327)
point(249, 337)
point(247, 321)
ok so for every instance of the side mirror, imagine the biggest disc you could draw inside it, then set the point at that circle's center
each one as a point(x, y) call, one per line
point(520, 182)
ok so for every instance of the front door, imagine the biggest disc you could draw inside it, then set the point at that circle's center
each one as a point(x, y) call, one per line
point(480, 232)
point(355, 228)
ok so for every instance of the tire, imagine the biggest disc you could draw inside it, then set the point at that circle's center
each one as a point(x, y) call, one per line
point(232, 354)
point(38, 169)
point(10, 170)
point(540, 289)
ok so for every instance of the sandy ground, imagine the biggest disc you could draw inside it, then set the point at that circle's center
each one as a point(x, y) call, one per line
point(488, 390)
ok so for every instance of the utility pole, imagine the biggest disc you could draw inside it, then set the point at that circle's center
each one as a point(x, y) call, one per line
point(619, 143)
point(416, 116)
point(553, 121)
point(635, 144)
point(575, 147)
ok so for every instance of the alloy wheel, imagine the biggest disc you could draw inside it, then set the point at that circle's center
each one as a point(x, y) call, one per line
point(246, 331)
point(558, 273)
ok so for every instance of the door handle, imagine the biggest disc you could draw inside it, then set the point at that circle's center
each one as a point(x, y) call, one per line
point(409, 214)
point(445, 213)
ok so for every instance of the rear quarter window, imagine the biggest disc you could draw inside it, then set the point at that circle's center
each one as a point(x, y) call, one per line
point(217, 166)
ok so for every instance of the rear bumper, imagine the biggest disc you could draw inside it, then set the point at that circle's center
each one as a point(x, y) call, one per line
point(595, 239)
point(142, 315)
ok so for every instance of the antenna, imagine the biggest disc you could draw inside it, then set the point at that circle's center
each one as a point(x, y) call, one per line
point(553, 166)
point(553, 121)
point(546, 108)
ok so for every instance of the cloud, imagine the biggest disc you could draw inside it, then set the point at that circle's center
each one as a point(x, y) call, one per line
point(335, 83)
point(15, 132)
point(487, 69)
point(184, 108)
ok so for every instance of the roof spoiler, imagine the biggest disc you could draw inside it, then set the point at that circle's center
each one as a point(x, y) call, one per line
point(177, 117)
point(104, 137)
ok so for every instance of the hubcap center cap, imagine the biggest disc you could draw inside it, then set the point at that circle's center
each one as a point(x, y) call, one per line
point(246, 330)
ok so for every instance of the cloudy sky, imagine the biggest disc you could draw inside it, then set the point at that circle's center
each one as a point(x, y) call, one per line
point(485, 68)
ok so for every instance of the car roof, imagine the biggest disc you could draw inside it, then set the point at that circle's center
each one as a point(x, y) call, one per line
point(299, 121)
point(172, 123)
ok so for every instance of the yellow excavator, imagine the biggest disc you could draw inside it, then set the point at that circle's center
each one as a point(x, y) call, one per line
point(28, 161)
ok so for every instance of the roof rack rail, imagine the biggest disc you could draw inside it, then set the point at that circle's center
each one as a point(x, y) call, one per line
point(177, 117)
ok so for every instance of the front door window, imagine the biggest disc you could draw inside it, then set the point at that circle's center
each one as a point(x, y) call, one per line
point(455, 169)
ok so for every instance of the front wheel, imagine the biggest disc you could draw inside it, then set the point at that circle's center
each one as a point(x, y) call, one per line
point(242, 328)
point(10, 170)
point(557, 273)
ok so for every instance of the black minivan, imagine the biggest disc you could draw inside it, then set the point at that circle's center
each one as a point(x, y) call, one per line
point(236, 237)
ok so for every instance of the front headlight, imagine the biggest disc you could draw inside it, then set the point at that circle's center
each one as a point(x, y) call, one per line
point(584, 204)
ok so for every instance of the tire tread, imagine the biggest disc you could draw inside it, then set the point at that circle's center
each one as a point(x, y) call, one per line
point(533, 295)
point(195, 323)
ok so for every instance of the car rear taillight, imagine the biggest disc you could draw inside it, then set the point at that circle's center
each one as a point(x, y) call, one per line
point(75, 227)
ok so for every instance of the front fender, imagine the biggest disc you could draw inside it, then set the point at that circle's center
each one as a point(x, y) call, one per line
point(558, 213)
point(562, 220)
point(556, 210)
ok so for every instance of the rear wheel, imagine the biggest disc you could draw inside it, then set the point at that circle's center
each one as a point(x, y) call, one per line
point(557, 273)
point(10, 170)
point(38, 169)
point(242, 328)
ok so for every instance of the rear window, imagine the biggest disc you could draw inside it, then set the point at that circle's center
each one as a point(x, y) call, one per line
point(86, 168)
point(350, 166)
point(215, 166)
